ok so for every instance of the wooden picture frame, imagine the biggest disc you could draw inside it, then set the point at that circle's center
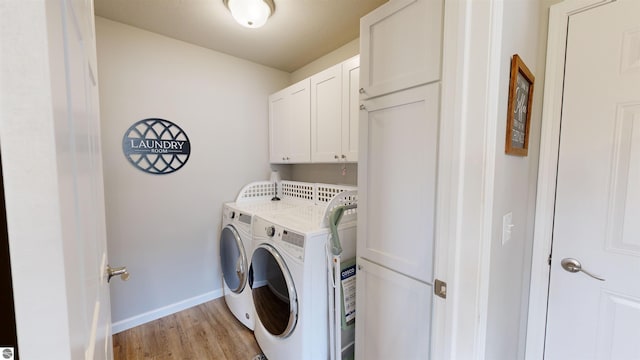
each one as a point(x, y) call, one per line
point(519, 108)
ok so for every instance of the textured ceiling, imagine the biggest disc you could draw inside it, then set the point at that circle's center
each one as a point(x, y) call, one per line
point(299, 31)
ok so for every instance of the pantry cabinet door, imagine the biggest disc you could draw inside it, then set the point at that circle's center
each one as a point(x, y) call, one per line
point(397, 180)
point(400, 46)
point(393, 318)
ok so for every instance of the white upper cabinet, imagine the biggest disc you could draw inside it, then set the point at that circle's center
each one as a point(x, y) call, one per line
point(290, 124)
point(400, 46)
point(278, 115)
point(316, 119)
point(334, 113)
point(350, 108)
point(326, 115)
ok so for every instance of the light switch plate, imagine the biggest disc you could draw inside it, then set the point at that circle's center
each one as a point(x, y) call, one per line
point(507, 227)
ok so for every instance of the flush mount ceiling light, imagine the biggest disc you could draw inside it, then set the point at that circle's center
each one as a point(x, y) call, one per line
point(251, 13)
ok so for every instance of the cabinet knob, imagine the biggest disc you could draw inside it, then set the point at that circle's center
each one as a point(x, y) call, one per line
point(335, 156)
point(361, 91)
point(287, 158)
point(362, 107)
point(284, 158)
point(344, 156)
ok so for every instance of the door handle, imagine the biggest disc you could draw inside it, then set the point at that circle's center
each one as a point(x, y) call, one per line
point(574, 266)
point(240, 267)
point(119, 271)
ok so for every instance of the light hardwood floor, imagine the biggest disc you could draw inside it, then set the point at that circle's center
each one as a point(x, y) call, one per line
point(208, 331)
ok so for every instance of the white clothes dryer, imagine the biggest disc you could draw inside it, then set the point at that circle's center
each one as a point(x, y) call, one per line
point(288, 280)
point(236, 248)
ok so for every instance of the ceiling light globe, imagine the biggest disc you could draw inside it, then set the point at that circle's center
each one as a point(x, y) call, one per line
point(249, 13)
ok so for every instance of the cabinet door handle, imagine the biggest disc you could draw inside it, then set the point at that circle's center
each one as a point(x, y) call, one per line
point(361, 91)
point(362, 107)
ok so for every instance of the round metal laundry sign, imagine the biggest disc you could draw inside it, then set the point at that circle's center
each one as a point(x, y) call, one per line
point(156, 146)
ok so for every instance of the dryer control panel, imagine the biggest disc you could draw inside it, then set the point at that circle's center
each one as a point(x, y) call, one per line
point(293, 238)
point(285, 240)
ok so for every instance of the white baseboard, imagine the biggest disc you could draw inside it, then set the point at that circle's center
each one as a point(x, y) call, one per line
point(137, 320)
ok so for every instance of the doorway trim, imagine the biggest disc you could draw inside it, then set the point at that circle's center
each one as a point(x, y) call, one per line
point(547, 170)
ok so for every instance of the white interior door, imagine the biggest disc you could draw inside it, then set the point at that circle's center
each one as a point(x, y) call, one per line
point(52, 167)
point(82, 189)
point(598, 193)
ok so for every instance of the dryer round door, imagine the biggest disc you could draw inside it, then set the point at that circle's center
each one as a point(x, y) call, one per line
point(233, 259)
point(273, 290)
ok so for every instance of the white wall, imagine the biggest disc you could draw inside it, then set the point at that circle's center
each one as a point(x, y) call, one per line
point(338, 55)
point(342, 174)
point(524, 33)
point(165, 228)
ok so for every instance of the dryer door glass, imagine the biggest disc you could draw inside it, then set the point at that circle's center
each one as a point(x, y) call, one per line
point(233, 259)
point(274, 294)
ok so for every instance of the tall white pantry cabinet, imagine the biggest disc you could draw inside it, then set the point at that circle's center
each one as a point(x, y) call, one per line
point(400, 58)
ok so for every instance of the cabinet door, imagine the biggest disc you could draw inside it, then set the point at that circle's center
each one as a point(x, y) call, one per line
point(299, 123)
point(397, 180)
point(393, 314)
point(400, 46)
point(278, 128)
point(350, 109)
point(326, 115)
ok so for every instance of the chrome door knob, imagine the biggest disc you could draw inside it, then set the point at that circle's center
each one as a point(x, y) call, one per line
point(573, 266)
point(119, 271)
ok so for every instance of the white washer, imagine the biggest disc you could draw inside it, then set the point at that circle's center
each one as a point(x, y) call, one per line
point(288, 277)
point(236, 248)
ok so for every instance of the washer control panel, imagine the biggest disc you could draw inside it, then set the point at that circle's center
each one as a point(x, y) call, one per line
point(240, 220)
point(245, 218)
